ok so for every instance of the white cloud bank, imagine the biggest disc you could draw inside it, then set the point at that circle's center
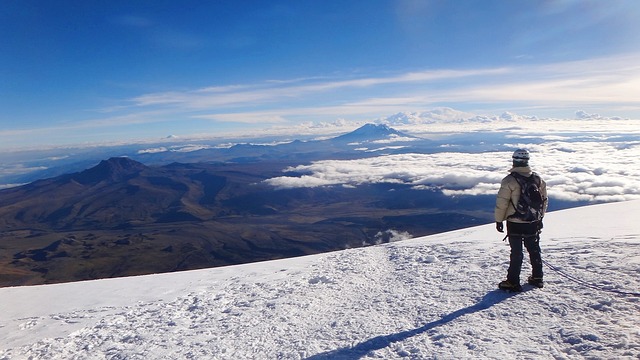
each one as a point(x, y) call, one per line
point(391, 236)
point(598, 171)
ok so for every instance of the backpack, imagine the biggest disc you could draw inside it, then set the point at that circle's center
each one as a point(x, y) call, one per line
point(530, 206)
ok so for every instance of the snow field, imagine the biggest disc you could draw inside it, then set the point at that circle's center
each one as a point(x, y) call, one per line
point(427, 298)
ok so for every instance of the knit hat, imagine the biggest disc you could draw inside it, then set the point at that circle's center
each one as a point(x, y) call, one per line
point(520, 157)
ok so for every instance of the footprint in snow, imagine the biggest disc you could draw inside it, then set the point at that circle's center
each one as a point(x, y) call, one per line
point(320, 280)
point(29, 324)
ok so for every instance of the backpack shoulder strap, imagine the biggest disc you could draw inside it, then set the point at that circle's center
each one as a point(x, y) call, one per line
point(536, 178)
point(519, 178)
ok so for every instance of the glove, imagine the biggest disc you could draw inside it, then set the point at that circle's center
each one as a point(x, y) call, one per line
point(499, 226)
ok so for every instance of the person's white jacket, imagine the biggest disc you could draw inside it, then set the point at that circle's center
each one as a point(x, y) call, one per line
point(509, 194)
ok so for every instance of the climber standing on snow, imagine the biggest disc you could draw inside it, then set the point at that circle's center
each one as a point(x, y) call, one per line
point(522, 202)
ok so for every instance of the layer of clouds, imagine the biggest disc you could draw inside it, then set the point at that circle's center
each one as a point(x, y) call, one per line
point(17, 169)
point(581, 114)
point(176, 148)
point(390, 235)
point(8, 186)
point(443, 170)
point(600, 170)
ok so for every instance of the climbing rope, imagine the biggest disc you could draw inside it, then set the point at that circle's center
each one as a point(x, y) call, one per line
point(573, 278)
point(589, 285)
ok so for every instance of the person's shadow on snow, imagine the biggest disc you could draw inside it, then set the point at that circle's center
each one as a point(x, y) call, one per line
point(380, 342)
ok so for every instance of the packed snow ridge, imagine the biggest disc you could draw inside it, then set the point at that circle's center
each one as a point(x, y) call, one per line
point(424, 298)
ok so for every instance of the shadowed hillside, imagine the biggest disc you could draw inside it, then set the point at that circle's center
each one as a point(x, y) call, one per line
point(123, 218)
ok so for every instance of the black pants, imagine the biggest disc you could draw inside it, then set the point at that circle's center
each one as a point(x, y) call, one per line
point(526, 233)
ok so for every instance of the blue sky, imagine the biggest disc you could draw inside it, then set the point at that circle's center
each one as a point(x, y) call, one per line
point(76, 72)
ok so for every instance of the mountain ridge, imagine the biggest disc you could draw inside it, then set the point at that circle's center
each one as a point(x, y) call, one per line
point(112, 170)
point(121, 218)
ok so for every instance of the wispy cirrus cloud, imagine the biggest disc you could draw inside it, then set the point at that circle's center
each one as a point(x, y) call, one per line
point(609, 83)
point(280, 90)
point(603, 85)
point(246, 118)
point(605, 82)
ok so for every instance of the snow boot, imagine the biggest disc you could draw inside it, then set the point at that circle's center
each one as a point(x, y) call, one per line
point(508, 286)
point(537, 282)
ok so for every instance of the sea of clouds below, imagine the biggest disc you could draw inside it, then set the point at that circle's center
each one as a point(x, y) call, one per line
point(593, 160)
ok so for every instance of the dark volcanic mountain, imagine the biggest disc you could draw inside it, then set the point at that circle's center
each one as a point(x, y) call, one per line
point(112, 170)
point(115, 193)
point(123, 218)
